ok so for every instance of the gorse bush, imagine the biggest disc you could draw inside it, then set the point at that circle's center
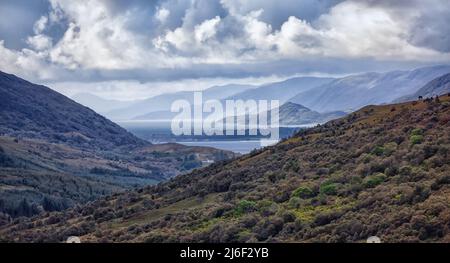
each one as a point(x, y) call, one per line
point(303, 192)
point(417, 131)
point(374, 180)
point(416, 139)
point(416, 136)
point(379, 150)
point(244, 206)
point(329, 188)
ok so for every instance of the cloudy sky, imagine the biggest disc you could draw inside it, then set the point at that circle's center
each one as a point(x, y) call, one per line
point(134, 49)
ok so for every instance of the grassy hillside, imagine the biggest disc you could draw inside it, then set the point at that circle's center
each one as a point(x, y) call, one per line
point(382, 170)
point(55, 153)
point(36, 171)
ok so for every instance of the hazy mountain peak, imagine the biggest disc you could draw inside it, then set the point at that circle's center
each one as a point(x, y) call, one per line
point(355, 91)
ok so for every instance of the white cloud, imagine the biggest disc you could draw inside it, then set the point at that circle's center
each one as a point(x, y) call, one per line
point(34, 62)
point(40, 25)
point(220, 33)
point(162, 14)
point(206, 29)
point(39, 42)
point(96, 39)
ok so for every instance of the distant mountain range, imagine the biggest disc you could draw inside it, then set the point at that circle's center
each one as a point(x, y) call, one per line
point(356, 91)
point(290, 114)
point(436, 87)
point(55, 153)
point(281, 91)
point(325, 95)
point(318, 94)
point(99, 104)
point(164, 102)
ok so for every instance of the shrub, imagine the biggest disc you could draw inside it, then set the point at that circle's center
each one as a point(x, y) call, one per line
point(378, 151)
point(416, 139)
point(389, 148)
point(267, 207)
point(405, 170)
point(328, 188)
point(295, 202)
point(244, 207)
point(374, 180)
point(417, 131)
point(416, 136)
point(440, 181)
point(303, 192)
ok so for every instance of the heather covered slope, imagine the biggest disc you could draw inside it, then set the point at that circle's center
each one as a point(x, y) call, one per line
point(382, 170)
point(55, 153)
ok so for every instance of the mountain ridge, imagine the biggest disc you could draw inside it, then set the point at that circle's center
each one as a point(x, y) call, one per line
point(163, 102)
point(355, 91)
point(55, 116)
point(437, 87)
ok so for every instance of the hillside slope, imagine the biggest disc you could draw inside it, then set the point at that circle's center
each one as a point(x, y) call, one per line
point(436, 87)
point(296, 114)
point(55, 153)
point(34, 111)
point(353, 92)
point(382, 171)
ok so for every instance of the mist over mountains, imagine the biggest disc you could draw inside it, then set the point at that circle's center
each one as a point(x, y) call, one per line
point(99, 104)
point(316, 93)
point(353, 92)
point(164, 102)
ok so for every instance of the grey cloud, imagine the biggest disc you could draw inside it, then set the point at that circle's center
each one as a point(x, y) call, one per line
point(17, 18)
point(430, 20)
point(433, 31)
point(430, 29)
point(277, 12)
point(282, 68)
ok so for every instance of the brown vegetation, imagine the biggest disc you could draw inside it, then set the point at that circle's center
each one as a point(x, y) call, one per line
point(376, 172)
